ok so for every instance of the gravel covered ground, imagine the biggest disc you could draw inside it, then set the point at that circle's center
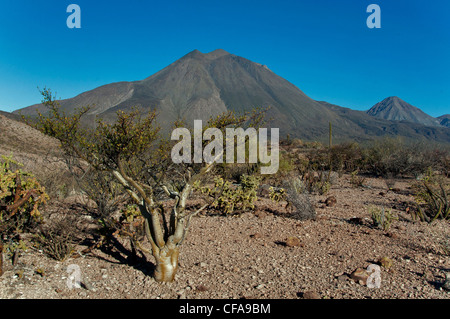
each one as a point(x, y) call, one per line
point(253, 256)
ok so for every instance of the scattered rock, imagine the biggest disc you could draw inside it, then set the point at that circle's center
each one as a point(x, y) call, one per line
point(40, 272)
point(310, 295)
point(19, 273)
point(446, 284)
point(341, 277)
point(260, 214)
point(293, 242)
point(201, 288)
point(256, 235)
point(330, 201)
point(392, 235)
point(428, 275)
point(360, 276)
point(385, 262)
point(356, 221)
point(87, 285)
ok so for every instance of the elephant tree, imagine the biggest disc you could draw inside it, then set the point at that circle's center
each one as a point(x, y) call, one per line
point(132, 150)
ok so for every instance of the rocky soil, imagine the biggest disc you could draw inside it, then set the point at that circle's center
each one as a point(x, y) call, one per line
point(265, 254)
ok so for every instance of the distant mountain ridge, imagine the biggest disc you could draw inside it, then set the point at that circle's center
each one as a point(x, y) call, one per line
point(395, 109)
point(444, 120)
point(202, 85)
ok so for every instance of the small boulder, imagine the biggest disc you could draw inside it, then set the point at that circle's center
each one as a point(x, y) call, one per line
point(385, 262)
point(330, 201)
point(293, 242)
point(446, 284)
point(256, 235)
point(360, 276)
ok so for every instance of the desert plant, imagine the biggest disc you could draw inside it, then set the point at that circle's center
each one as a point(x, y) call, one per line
point(286, 165)
point(445, 162)
point(387, 156)
point(277, 194)
point(346, 157)
point(382, 218)
point(317, 181)
point(390, 157)
point(356, 180)
point(134, 152)
point(21, 197)
point(432, 197)
point(228, 199)
point(58, 236)
point(298, 200)
point(55, 244)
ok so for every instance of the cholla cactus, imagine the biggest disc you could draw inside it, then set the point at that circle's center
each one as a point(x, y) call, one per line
point(21, 196)
point(277, 194)
point(228, 199)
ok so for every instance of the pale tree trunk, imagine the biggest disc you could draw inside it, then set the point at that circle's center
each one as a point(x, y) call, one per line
point(165, 244)
point(166, 264)
point(165, 252)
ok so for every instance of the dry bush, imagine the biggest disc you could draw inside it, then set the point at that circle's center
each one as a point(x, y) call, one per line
point(346, 157)
point(58, 239)
point(393, 157)
point(432, 195)
point(298, 201)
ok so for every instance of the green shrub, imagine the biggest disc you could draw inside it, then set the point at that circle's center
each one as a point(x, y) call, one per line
point(356, 180)
point(229, 199)
point(431, 195)
point(277, 194)
point(381, 218)
point(21, 197)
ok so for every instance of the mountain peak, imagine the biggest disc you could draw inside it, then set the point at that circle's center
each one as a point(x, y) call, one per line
point(193, 54)
point(217, 53)
point(210, 56)
point(394, 108)
point(395, 99)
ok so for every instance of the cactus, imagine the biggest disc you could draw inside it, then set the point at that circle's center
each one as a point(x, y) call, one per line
point(228, 199)
point(330, 135)
point(432, 197)
point(21, 196)
point(382, 218)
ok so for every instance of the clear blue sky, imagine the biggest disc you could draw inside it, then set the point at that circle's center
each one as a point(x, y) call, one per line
point(322, 46)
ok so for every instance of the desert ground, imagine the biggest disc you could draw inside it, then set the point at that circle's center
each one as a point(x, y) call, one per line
point(254, 255)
